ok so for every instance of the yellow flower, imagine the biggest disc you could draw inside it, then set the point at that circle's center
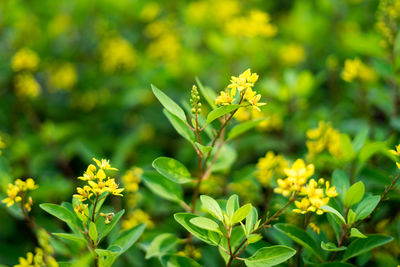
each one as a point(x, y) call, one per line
point(13, 195)
point(330, 191)
point(355, 69)
point(396, 152)
point(104, 164)
point(324, 137)
point(314, 227)
point(117, 54)
point(257, 23)
point(243, 81)
point(131, 179)
point(225, 98)
point(83, 193)
point(302, 206)
point(63, 77)
point(137, 217)
point(269, 166)
point(292, 54)
point(25, 59)
point(300, 171)
point(252, 97)
point(15, 192)
point(26, 85)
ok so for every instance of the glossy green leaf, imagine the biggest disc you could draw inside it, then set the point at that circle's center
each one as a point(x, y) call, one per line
point(334, 212)
point(242, 128)
point(60, 212)
point(161, 245)
point(270, 256)
point(72, 237)
point(172, 169)
point(221, 111)
point(354, 194)
point(360, 139)
point(202, 234)
point(299, 236)
point(92, 231)
point(329, 246)
point(253, 238)
point(251, 220)
point(362, 245)
point(366, 207)
point(351, 217)
point(354, 232)
point(168, 103)
point(162, 187)
point(241, 213)
point(341, 181)
point(206, 223)
point(346, 147)
point(179, 126)
point(208, 93)
point(212, 207)
point(232, 205)
point(127, 238)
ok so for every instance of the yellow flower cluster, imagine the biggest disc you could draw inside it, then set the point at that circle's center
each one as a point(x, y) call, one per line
point(387, 20)
point(396, 153)
point(270, 122)
point(117, 54)
point(355, 69)
point(25, 59)
point(37, 260)
point(314, 195)
point(2, 144)
point(98, 181)
point(324, 137)
point(132, 178)
point(63, 77)
point(314, 227)
point(137, 217)
point(16, 192)
point(26, 85)
point(292, 54)
point(243, 85)
point(165, 43)
point(190, 251)
point(297, 177)
point(257, 23)
point(270, 166)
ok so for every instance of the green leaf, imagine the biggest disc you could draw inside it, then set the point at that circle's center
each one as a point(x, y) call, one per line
point(334, 264)
point(127, 238)
point(253, 238)
point(104, 228)
point(301, 237)
point(360, 139)
point(221, 111)
point(354, 194)
point(172, 169)
point(162, 187)
point(232, 205)
point(206, 223)
point(354, 232)
point(329, 246)
point(341, 181)
point(360, 246)
point(179, 126)
point(92, 231)
point(168, 103)
point(203, 149)
point(346, 147)
point(351, 217)
point(212, 207)
point(60, 212)
point(366, 207)
point(72, 237)
point(270, 256)
point(242, 128)
point(241, 213)
point(161, 245)
point(174, 260)
point(208, 94)
point(251, 220)
point(202, 234)
point(335, 212)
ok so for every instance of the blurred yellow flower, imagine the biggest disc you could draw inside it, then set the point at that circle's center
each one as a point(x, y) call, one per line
point(324, 137)
point(25, 59)
point(396, 153)
point(314, 227)
point(150, 11)
point(136, 217)
point(292, 54)
point(270, 166)
point(355, 69)
point(132, 178)
point(63, 77)
point(26, 85)
point(257, 23)
point(117, 54)
point(16, 192)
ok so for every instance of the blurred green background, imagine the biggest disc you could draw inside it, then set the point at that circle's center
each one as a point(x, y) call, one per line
point(75, 84)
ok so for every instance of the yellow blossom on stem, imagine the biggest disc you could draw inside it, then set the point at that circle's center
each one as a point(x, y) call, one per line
point(16, 192)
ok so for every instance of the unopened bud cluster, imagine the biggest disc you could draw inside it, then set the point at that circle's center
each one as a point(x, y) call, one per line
point(195, 100)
